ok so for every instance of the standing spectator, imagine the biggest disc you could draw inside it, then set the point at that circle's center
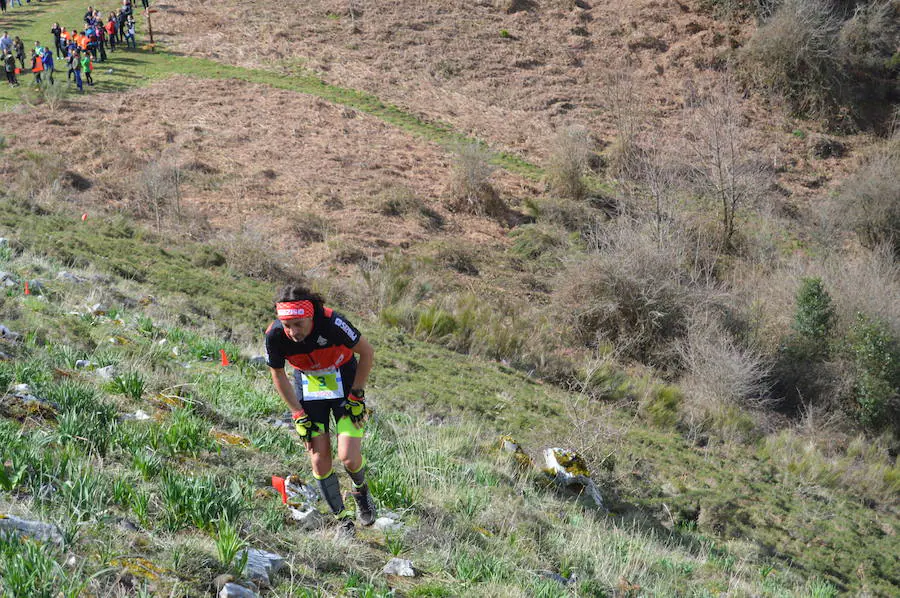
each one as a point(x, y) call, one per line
point(37, 66)
point(2, 5)
point(87, 67)
point(56, 30)
point(13, 3)
point(129, 35)
point(9, 65)
point(121, 19)
point(146, 4)
point(111, 33)
point(76, 68)
point(20, 51)
point(70, 61)
point(6, 42)
point(100, 32)
point(49, 65)
point(89, 14)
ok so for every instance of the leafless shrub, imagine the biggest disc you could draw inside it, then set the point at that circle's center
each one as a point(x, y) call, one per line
point(622, 101)
point(719, 369)
point(869, 284)
point(397, 200)
point(470, 185)
point(631, 292)
point(569, 162)
point(249, 252)
point(870, 199)
point(721, 162)
point(795, 53)
point(159, 188)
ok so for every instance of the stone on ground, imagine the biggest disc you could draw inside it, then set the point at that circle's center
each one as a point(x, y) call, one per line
point(44, 532)
point(261, 565)
point(401, 567)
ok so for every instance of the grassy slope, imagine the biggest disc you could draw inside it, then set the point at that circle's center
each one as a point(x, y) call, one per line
point(756, 517)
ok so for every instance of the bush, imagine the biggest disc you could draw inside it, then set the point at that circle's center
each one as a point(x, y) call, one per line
point(397, 201)
point(870, 199)
point(876, 358)
point(796, 54)
point(569, 162)
point(470, 186)
point(531, 241)
point(814, 318)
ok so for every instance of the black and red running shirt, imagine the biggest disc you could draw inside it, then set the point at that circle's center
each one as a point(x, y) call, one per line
point(329, 345)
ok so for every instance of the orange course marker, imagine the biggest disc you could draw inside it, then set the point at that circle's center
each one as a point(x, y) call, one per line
point(27, 290)
point(278, 484)
point(224, 358)
point(84, 217)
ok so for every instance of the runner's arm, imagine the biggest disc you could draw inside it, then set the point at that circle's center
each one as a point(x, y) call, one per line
point(366, 358)
point(286, 389)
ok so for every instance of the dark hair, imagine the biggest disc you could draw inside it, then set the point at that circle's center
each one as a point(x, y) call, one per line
point(299, 292)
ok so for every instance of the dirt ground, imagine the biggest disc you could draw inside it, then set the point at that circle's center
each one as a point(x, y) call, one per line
point(512, 72)
point(257, 160)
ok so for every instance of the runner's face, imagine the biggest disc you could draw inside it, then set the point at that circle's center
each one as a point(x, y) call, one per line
point(297, 330)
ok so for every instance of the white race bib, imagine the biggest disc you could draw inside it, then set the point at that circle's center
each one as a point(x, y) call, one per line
point(321, 385)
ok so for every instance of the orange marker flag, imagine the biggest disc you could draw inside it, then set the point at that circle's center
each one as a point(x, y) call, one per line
point(27, 290)
point(84, 217)
point(224, 358)
point(278, 484)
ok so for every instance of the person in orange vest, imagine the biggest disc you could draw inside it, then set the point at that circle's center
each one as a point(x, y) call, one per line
point(37, 66)
point(111, 33)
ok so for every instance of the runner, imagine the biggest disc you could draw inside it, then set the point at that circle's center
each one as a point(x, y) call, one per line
point(328, 380)
point(9, 65)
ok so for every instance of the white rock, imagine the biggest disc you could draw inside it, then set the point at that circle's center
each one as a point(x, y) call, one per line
point(98, 309)
point(233, 590)
point(308, 519)
point(107, 373)
point(6, 277)
point(22, 389)
point(401, 567)
point(44, 532)
point(261, 359)
point(69, 277)
point(138, 416)
point(4, 242)
point(261, 565)
point(82, 364)
point(8, 334)
point(386, 524)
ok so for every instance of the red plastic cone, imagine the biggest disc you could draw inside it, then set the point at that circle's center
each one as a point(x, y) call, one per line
point(278, 484)
point(27, 290)
point(224, 358)
point(84, 217)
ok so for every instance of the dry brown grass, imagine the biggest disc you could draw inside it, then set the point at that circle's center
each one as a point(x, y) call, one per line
point(470, 187)
point(569, 162)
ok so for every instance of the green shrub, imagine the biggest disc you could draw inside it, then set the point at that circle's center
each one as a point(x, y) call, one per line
point(29, 569)
point(200, 501)
point(130, 384)
point(876, 360)
point(531, 241)
point(228, 545)
point(662, 406)
point(815, 317)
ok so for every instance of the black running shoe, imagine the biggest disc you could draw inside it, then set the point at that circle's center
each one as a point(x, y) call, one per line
point(365, 506)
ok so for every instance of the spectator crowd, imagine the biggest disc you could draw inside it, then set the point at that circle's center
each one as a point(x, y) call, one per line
point(80, 47)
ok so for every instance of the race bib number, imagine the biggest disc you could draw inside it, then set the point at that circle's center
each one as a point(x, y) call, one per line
point(326, 384)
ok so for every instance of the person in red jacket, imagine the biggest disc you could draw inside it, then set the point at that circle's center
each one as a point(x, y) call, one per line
point(329, 381)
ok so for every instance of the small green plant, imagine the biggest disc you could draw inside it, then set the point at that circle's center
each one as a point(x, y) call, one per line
point(228, 545)
point(200, 501)
point(130, 384)
point(11, 476)
point(187, 433)
point(147, 462)
point(145, 325)
point(93, 428)
point(86, 494)
point(505, 34)
point(29, 569)
point(122, 492)
point(394, 543)
point(815, 317)
point(140, 506)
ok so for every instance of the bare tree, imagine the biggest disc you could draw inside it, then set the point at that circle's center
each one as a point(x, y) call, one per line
point(721, 161)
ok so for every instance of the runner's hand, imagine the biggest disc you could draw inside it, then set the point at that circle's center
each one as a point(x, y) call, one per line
point(356, 409)
point(304, 427)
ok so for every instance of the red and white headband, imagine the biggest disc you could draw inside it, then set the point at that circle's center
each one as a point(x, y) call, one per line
point(294, 310)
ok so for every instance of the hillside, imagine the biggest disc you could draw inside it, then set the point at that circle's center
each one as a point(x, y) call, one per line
point(611, 227)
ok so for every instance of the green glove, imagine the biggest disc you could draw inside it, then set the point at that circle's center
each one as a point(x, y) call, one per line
point(356, 408)
point(304, 427)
